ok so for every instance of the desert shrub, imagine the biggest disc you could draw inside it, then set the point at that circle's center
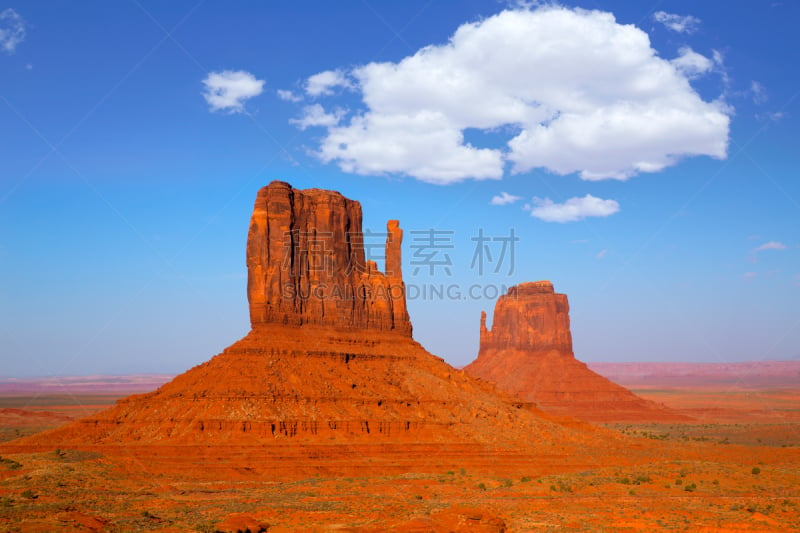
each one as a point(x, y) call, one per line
point(755, 471)
point(524, 479)
point(562, 487)
point(642, 479)
point(205, 527)
point(679, 481)
point(507, 483)
point(625, 480)
point(6, 502)
point(482, 486)
point(10, 463)
point(690, 487)
point(29, 494)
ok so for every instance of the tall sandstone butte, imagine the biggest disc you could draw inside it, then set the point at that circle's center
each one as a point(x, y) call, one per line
point(306, 264)
point(528, 352)
point(329, 359)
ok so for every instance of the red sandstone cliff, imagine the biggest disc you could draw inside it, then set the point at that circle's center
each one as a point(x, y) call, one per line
point(528, 352)
point(306, 264)
point(318, 365)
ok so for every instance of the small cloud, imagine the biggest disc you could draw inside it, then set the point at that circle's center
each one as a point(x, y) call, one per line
point(579, 241)
point(601, 254)
point(677, 23)
point(228, 90)
point(719, 63)
point(771, 245)
point(323, 83)
point(504, 199)
point(12, 30)
point(289, 96)
point(315, 115)
point(776, 116)
point(28, 67)
point(749, 275)
point(572, 210)
point(691, 63)
point(759, 92)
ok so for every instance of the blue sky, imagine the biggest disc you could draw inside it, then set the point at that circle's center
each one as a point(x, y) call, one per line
point(644, 156)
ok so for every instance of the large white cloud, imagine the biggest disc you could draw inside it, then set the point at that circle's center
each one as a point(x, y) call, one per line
point(228, 90)
point(572, 210)
point(12, 30)
point(567, 90)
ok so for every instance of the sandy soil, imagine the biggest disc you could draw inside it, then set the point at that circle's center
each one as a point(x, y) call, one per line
point(739, 471)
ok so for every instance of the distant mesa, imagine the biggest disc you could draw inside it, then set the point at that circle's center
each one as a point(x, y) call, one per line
point(329, 359)
point(528, 352)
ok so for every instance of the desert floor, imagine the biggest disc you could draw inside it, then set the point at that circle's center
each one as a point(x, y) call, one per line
point(736, 469)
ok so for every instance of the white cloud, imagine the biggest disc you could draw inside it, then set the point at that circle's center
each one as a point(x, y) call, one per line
point(289, 96)
point(504, 199)
point(602, 253)
point(12, 30)
point(771, 245)
point(323, 83)
point(677, 23)
point(771, 116)
point(749, 275)
point(315, 115)
point(578, 92)
point(759, 92)
point(691, 63)
point(228, 90)
point(572, 210)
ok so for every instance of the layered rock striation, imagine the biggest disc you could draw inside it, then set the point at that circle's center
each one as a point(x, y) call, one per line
point(528, 352)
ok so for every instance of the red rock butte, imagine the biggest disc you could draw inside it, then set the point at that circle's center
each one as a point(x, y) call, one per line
point(306, 264)
point(528, 352)
point(329, 359)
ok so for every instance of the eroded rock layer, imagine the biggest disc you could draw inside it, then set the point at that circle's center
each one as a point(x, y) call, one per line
point(528, 352)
